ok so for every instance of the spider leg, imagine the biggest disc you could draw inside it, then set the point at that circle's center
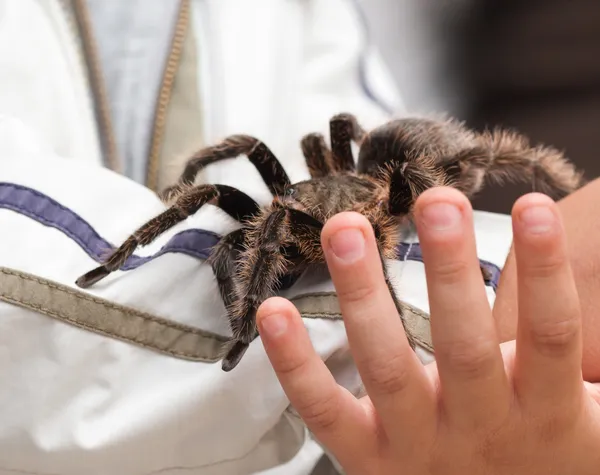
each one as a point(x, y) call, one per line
point(344, 129)
point(465, 170)
point(408, 180)
point(227, 288)
point(223, 260)
point(318, 157)
point(234, 202)
point(513, 159)
point(270, 169)
point(263, 263)
point(234, 355)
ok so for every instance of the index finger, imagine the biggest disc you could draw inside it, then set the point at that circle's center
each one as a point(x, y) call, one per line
point(330, 412)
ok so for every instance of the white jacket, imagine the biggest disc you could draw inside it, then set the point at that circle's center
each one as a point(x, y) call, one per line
point(124, 378)
point(272, 68)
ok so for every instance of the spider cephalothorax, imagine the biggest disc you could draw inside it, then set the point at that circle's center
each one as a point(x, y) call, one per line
point(396, 163)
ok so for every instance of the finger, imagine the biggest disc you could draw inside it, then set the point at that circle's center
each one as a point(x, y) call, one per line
point(392, 374)
point(548, 362)
point(473, 380)
point(593, 390)
point(334, 416)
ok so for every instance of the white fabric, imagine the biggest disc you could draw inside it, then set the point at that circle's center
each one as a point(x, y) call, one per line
point(74, 402)
point(42, 81)
point(310, 73)
point(420, 41)
point(273, 68)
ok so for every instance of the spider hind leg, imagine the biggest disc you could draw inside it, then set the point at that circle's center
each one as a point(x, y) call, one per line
point(515, 160)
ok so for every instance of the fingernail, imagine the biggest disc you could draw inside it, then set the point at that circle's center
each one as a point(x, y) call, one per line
point(348, 245)
point(441, 216)
point(537, 219)
point(273, 325)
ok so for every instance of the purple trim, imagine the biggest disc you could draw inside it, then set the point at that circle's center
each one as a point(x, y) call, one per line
point(192, 242)
point(415, 254)
point(43, 209)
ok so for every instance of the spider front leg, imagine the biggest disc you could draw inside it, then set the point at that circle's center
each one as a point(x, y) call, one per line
point(408, 180)
point(262, 265)
point(234, 202)
point(344, 129)
point(265, 161)
point(319, 159)
point(223, 260)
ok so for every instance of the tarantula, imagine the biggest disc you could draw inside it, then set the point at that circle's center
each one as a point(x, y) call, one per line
point(396, 163)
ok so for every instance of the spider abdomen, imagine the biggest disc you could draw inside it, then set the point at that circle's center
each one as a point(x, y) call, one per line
point(408, 139)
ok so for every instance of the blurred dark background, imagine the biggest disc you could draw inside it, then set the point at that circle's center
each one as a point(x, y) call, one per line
point(533, 65)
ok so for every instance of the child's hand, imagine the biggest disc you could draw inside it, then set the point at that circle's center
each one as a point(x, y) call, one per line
point(481, 409)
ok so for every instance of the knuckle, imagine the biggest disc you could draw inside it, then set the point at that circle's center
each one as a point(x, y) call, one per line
point(553, 426)
point(555, 339)
point(290, 366)
point(388, 377)
point(451, 271)
point(545, 267)
point(472, 360)
point(320, 413)
point(357, 293)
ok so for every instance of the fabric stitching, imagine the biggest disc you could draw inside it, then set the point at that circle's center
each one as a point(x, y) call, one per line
point(412, 308)
point(30, 304)
point(112, 306)
point(46, 311)
point(85, 239)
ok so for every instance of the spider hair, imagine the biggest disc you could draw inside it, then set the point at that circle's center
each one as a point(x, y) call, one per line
point(396, 163)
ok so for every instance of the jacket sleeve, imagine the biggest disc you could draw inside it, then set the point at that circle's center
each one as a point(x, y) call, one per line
point(43, 80)
point(125, 376)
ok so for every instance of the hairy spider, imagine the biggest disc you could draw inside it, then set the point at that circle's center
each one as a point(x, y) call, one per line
point(397, 162)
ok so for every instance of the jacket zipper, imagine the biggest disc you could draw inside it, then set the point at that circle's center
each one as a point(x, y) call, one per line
point(160, 114)
point(90, 53)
